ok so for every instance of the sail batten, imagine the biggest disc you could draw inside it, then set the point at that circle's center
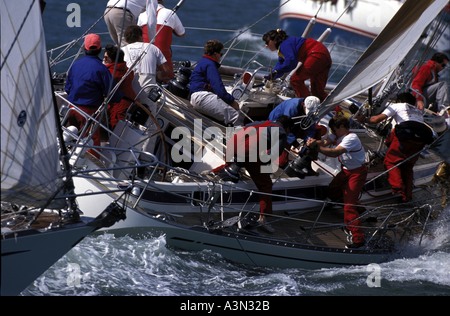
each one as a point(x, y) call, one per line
point(29, 153)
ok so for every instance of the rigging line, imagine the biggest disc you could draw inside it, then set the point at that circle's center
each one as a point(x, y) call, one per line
point(439, 29)
point(17, 34)
point(432, 41)
point(68, 47)
point(320, 8)
point(68, 184)
point(64, 156)
point(345, 10)
point(58, 56)
point(262, 18)
point(173, 11)
point(238, 240)
point(49, 200)
point(141, 56)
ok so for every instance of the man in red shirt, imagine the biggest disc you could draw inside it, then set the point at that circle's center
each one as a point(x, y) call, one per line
point(167, 24)
point(426, 86)
point(260, 162)
point(113, 59)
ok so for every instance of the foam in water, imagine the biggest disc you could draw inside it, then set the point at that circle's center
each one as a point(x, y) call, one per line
point(106, 265)
point(427, 262)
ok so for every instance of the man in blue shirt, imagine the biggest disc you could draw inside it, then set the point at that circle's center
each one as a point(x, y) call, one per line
point(295, 107)
point(208, 94)
point(87, 84)
point(314, 57)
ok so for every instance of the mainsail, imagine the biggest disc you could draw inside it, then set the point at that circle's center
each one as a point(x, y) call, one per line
point(29, 153)
point(387, 50)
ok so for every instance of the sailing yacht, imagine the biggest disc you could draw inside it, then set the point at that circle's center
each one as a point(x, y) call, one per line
point(172, 191)
point(310, 239)
point(41, 220)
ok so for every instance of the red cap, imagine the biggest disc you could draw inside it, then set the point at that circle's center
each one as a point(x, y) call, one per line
point(92, 41)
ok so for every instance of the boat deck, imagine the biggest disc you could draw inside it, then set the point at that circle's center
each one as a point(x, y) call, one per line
point(384, 225)
point(14, 221)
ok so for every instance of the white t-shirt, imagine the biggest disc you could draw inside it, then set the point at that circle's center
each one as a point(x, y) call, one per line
point(135, 6)
point(164, 17)
point(145, 69)
point(355, 156)
point(401, 112)
point(149, 61)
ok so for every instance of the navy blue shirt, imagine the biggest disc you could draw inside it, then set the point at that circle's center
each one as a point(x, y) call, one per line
point(288, 55)
point(289, 107)
point(206, 77)
point(88, 82)
point(292, 108)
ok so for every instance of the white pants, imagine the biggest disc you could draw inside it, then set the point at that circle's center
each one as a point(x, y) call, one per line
point(210, 104)
point(114, 18)
point(438, 95)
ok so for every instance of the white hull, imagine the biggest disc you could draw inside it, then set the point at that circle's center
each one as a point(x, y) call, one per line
point(292, 195)
point(346, 33)
point(363, 18)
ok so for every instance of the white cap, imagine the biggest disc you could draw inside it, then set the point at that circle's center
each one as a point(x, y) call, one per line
point(70, 133)
point(311, 103)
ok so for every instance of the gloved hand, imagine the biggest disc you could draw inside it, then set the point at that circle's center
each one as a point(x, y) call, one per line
point(271, 76)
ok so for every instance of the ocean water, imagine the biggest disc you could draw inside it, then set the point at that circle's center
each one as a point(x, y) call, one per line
point(106, 265)
point(109, 266)
point(65, 21)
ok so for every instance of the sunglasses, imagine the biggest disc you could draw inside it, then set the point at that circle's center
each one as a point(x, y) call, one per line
point(444, 65)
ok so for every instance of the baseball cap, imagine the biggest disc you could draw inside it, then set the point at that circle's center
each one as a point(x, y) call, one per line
point(92, 41)
point(311, 103)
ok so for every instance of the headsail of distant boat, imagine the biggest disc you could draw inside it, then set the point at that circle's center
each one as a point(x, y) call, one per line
point(387, 50)
point(29, 151)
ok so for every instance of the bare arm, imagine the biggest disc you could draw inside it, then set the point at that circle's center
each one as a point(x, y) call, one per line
point(163, 71)
point(321, 143)
point(324, 149)
point(420, 104)
point(371, 120)
point(235, 105)
point(332, 152)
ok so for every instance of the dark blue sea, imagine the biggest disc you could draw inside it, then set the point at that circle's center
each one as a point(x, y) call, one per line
point(108, 266)
point(65, 21)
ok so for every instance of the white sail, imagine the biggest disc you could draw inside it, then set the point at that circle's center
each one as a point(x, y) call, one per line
point(387, 50)
point(29, 152)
